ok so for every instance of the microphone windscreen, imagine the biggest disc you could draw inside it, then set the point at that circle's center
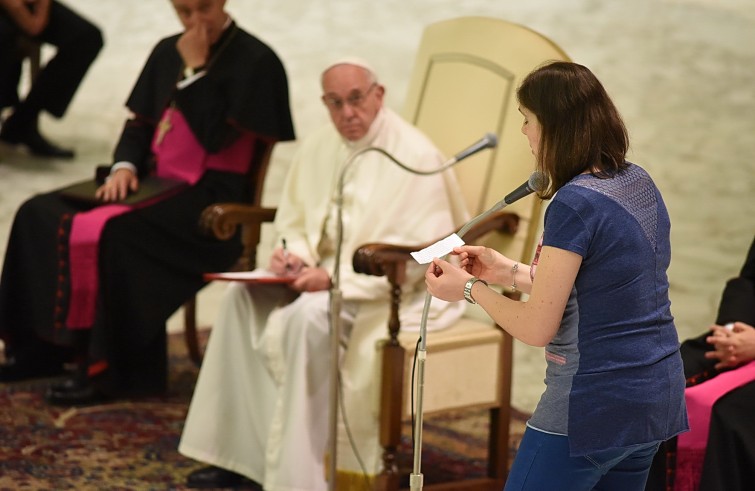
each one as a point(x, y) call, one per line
point(538, 182)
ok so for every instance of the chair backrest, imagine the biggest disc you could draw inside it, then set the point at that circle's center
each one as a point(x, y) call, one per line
point(257, 175)
point(463, 86)
point(212, 222)
point(258, 170)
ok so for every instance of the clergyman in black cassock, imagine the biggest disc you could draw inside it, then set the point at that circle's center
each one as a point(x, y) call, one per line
point(150, 259)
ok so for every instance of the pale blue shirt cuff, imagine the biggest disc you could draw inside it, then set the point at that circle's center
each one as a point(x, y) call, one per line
point(121, 165)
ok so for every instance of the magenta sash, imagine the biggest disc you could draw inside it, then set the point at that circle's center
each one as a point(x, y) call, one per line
point(189, 159)
point(179, 155)
point(690, 451)
point(83, 253)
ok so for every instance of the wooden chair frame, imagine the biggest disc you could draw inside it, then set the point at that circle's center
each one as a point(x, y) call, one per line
point(209, 223)
point(390, 261)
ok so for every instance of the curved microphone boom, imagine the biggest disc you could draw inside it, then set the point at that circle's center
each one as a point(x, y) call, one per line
point(487, 141)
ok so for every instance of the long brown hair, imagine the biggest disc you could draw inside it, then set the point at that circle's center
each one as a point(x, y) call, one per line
point(581, 130)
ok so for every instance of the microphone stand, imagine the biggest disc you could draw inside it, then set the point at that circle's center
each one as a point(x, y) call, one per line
point(336, 296)
point(536, 182)
point(416, 479)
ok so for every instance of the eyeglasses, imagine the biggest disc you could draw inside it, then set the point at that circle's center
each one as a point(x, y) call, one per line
point(355, 99)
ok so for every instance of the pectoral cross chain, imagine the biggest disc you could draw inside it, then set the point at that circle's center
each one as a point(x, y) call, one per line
point(163, 127)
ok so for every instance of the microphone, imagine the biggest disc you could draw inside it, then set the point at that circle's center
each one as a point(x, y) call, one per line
point(487, 141)
point(536, 183)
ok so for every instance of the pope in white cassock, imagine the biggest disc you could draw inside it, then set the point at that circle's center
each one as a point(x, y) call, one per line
point(260, 408)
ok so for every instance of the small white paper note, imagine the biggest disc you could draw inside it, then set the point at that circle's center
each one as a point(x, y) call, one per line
point(439, 249)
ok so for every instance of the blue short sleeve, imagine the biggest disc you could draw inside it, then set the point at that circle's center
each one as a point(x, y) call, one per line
point(564, 227)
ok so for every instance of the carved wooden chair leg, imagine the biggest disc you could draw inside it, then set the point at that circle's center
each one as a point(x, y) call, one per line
point(190, 331)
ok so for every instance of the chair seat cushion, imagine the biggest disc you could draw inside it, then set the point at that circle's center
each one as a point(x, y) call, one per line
point(462, 369)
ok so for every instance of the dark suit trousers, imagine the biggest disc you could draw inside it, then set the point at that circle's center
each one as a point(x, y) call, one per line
point(77, 42)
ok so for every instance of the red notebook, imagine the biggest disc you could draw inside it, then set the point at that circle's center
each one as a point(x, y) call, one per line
point(258, 276)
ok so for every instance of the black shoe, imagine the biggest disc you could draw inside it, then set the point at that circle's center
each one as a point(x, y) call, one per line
point(34, 141)
point(16, 369)
point(214, 477)
point(74, 392)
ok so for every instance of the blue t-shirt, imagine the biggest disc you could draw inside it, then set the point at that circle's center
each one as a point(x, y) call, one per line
point(614, 375)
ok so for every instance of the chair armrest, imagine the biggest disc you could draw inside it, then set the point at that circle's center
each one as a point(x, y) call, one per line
point(223, 221)
point(379, 259)
point(390, 260)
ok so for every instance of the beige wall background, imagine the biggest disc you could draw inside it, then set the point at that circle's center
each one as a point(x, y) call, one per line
point(682, 73)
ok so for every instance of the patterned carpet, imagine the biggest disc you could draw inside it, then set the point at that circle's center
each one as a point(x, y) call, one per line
point(131, 445)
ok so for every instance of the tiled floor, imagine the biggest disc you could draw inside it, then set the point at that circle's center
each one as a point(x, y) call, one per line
point(681, 72)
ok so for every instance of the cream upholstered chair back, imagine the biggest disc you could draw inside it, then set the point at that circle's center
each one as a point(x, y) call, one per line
point(464, 85)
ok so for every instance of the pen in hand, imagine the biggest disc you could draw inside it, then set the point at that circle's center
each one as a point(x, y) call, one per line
point(285, 255)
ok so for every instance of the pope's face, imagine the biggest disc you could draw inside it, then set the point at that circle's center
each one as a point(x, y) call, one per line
point(353, 99)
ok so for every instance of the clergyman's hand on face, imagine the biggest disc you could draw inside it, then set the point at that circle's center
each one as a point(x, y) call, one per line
point(194, 45)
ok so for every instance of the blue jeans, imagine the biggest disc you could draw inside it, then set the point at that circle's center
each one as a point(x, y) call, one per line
point(543, 463)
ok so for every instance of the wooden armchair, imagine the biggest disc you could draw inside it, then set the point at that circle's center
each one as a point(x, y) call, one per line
point(221, 220)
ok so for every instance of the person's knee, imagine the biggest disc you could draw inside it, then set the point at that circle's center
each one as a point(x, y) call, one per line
point(94, 38)
point(89, 41)
point(75, 37)
point(311, 320)
point(36, 209)
point(236, 296)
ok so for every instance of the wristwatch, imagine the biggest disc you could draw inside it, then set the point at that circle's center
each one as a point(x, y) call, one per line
point(468, 288)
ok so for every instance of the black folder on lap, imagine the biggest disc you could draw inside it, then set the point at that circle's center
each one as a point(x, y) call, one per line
point(149, 187)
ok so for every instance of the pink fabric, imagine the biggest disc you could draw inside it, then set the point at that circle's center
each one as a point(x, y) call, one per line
point(690, 451)
point(85, 235)
point(181, 156)
point(235, 158)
